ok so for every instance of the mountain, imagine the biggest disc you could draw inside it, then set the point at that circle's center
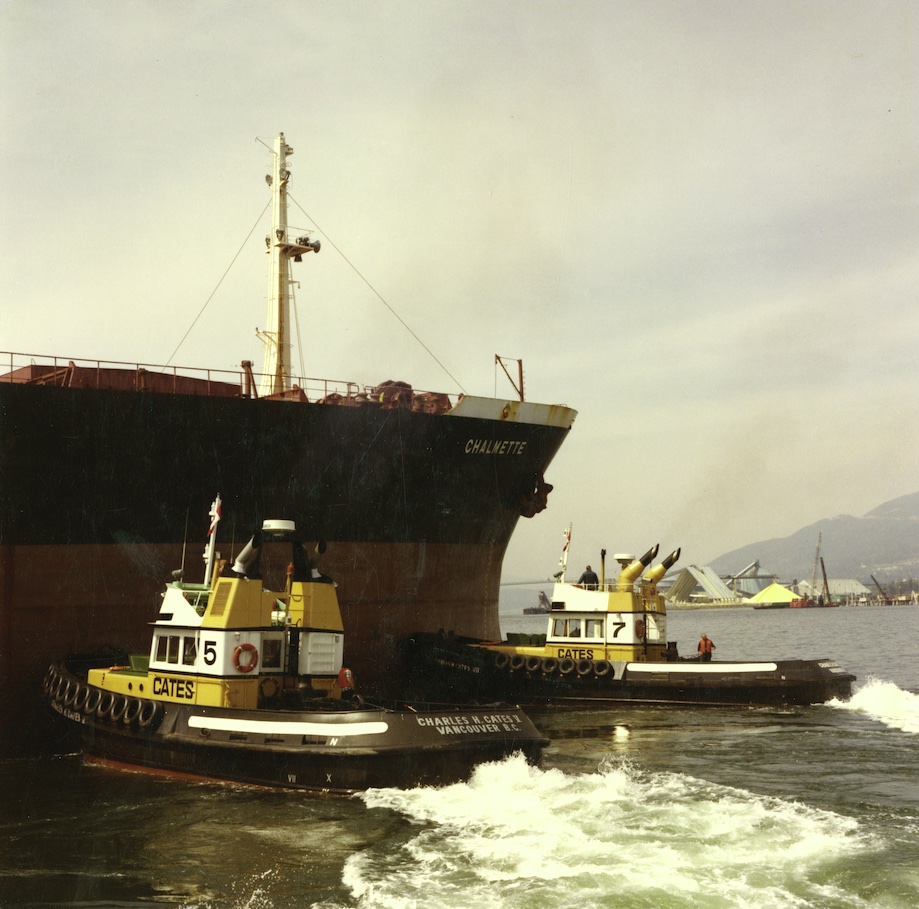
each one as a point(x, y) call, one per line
point(883, 543)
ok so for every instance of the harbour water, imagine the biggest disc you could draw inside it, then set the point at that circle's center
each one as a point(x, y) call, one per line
point(631, 807)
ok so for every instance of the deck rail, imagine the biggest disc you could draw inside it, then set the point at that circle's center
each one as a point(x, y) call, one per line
point(76, 372)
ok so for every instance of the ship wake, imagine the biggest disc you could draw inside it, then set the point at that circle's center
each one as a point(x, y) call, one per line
point(885, 702)
point(517, 836)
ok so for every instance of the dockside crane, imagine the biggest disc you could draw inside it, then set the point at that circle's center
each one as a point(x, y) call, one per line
point(883, 594)
point(826, 583)
point(818, 562)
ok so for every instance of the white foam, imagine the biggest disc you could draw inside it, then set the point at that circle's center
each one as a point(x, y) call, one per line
point(886, 702)
point(518, 836)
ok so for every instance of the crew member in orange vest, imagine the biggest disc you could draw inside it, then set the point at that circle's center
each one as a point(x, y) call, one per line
point(705, 648)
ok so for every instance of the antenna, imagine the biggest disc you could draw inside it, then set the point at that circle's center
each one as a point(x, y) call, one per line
point(563, 560)
point(184, 543)
point(212, 539)
point(518, 385)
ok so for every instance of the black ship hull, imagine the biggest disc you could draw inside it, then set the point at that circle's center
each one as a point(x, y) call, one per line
point(336, 751)
point(450, 667)
point(99, 489)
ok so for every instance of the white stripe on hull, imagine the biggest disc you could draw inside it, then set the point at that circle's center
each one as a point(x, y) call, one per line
point(701, 668)
point(275, 727)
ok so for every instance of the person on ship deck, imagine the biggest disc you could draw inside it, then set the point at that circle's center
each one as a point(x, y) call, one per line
point(705, 648)
point(589, 579)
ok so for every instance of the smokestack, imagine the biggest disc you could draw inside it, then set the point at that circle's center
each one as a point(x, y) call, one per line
point(630, 573)
point(658, 571)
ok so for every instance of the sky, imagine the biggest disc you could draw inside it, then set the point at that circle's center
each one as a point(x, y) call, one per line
point(695, 222)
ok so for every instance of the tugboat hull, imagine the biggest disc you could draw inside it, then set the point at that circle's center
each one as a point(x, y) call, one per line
point(459, 669)
point(339, 750)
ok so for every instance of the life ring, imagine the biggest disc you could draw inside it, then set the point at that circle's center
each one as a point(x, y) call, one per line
point(501, 660)
point(602, 668)
point(92, 701)
point(150, 711)
point(250, 663)
point(533, 664)
point(517, 661)
point(585, 667)
point(640, 629)
point(549, 665)
point(566, 666)
point(132, 711)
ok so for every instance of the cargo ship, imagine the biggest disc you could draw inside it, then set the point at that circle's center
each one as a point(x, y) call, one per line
point(246, 684)
point(101, 465)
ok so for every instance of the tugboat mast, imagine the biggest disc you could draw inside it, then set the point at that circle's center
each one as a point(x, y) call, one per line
point(276, 372)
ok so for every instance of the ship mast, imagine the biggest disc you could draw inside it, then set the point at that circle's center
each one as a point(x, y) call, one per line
point(276, 371)
point(563, 560)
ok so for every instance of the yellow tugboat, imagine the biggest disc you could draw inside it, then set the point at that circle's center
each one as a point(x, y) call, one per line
point(607, 642)
point(246, 683)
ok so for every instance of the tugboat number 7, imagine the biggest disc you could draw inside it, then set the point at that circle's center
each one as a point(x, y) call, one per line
point(607, 642)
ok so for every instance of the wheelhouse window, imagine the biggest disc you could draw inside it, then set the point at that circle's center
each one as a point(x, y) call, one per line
point(189, 651)
point(176, 649)
point(593, 628)
point(566, 628)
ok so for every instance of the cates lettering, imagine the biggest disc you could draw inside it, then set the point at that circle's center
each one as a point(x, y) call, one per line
point(174, 688)
point(575, 653)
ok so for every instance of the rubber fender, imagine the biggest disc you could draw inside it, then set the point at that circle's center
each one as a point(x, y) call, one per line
point(92, 701)
point(105, 705)
point(119, 705)
point(79, 702)
point(132, 711)
point(70, 693)
point(60, 688)
point(151, 714)
point(50, 679)
point(533, 663)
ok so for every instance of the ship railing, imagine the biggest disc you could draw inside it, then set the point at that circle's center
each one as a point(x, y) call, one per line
point(74, 372)
point(67, 372)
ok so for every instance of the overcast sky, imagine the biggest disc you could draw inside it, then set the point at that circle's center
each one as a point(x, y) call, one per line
point(696, 222)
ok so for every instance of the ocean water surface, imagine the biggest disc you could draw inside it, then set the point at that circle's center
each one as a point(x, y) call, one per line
point(631, 807)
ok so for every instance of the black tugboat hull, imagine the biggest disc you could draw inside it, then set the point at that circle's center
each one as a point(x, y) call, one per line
point(336, 751)
point(455, 668)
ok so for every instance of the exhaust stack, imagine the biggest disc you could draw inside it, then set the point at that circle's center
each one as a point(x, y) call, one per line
point(630, 573)
point(658, 571)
